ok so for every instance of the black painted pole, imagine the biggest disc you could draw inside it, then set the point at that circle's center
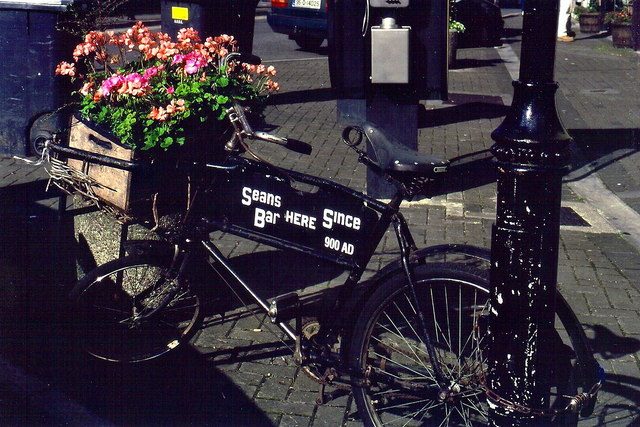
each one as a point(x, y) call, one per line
point(532, 149)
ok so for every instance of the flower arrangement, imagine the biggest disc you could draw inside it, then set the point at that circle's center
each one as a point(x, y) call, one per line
point(148, 89)
point(621, 17)
point(456, 26)
point(592, 7)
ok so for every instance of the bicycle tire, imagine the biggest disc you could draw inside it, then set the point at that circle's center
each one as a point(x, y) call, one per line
point(397, 383)
point(133, 309)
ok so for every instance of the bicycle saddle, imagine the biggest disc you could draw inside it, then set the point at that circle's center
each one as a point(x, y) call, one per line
point(395, 157)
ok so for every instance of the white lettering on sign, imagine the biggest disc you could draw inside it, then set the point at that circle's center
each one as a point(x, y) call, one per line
point(331, 217)
point(301, 220)
point(263, 217)
point(250, 195)
point(336, 245)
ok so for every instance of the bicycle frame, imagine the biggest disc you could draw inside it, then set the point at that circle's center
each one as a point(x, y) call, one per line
point(325, 220)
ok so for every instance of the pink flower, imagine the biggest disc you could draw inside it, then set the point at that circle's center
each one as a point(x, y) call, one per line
point(134, 84)
point(66, 69)
point(159, 114)
point(113, 82)
point(175, 107)
point(150, 73)
point(194, 61)
point(170, 90)
point(178, 59)
point(86, 88)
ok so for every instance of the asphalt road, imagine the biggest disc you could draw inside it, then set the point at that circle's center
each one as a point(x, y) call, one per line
point(277, 47)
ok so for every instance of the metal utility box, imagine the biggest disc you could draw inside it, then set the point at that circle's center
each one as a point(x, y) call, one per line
point(390, 55)
point(212, 18)
point(31, 47)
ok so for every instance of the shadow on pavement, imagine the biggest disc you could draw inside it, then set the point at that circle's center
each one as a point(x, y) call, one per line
point(609, 345)
point(463, 108)
point(618, 400)
point(620, 394)
point(474, 63)
point(600, 148)
point(36, 260)
point(302, 96)
point(182, 388)
point(469, 171)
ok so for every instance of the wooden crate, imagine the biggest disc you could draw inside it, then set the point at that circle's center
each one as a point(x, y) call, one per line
point(117, 188)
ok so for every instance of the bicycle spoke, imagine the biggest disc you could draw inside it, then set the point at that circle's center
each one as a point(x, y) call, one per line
point(456, 310)
point(420, 374)
point(410, 415)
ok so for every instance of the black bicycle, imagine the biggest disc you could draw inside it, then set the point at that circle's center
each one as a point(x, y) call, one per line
point(410, 342)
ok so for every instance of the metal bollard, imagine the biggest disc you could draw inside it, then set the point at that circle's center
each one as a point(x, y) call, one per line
point(532, 149)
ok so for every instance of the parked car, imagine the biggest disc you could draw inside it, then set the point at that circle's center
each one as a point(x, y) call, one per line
point(483, 22)
point(304, 21)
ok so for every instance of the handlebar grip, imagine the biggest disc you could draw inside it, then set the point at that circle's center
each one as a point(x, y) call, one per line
point(292, 144)
point(75, 153)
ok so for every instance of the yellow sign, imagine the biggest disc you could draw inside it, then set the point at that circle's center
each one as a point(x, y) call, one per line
point(180, 13)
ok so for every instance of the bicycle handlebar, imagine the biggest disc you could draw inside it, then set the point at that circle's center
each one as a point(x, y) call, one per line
point(244, 130)
point(292, 144)
point(75, 153)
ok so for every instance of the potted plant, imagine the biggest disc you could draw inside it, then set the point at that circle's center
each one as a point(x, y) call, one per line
point(145, 87)
point(455, 28)
point(589, 17)
point(153, 98)
point(621, 31)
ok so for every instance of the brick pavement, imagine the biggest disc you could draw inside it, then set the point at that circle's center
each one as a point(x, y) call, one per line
point(598, 267)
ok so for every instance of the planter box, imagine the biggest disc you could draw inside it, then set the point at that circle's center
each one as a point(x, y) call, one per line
point(591, 22)
point(130, 195)
point(114, 187)
point(453, 47)
point(622, 35)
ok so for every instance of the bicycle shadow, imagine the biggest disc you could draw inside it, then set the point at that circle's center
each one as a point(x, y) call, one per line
point(618, 400)
point(182, 388)
point(36, 259)
point(596, 149)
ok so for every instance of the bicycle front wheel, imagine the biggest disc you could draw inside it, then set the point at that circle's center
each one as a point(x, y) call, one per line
point(134, 309)
point(398, 384)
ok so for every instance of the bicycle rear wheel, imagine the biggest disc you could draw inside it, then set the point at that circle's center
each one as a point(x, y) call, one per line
point(134, 309)
point(398, 385)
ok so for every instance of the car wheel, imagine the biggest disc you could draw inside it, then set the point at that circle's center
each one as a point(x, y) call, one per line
point(308, 42)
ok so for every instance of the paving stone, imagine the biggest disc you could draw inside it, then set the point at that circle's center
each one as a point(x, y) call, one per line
point(275, 387)
point(630, 326)
point(294, 421)
point(328, 416)
point(269, 370)
point(285, 407)
point(301, 396)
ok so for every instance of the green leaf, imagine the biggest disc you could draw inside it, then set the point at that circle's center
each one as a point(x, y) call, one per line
point(222, 82)
point(167, 142)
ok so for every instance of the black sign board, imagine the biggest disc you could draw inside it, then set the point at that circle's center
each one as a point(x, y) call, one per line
point(310, 214)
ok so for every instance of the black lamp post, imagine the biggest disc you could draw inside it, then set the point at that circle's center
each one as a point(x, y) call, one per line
point(532, 149)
